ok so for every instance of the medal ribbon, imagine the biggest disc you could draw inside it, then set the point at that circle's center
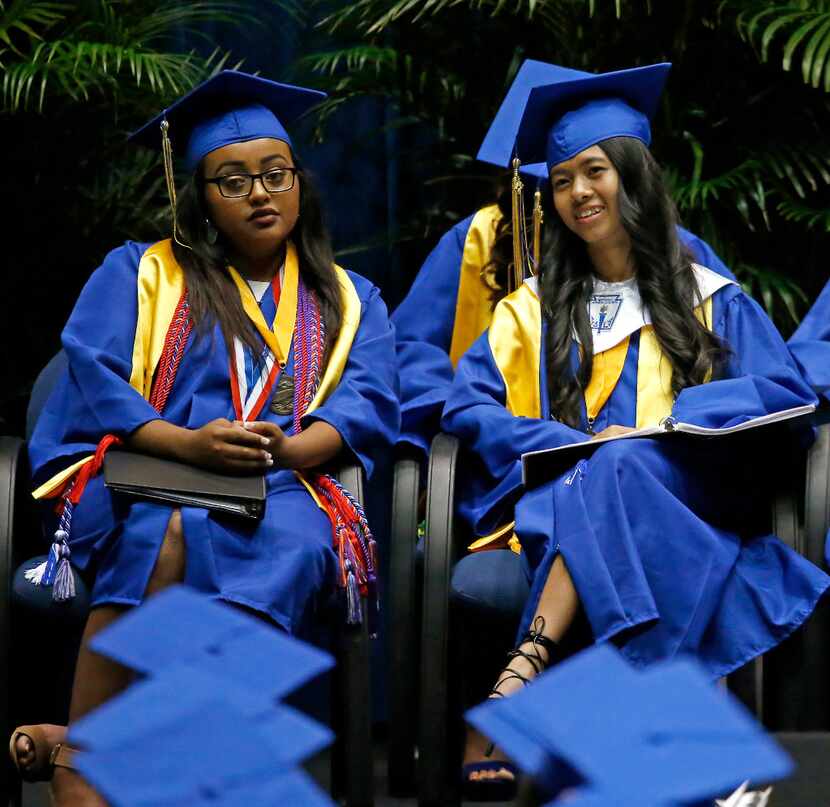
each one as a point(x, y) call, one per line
point(249, 402)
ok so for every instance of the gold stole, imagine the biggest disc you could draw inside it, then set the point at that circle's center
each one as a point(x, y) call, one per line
point(159, 289)
point(473, 307)
point(515, 340)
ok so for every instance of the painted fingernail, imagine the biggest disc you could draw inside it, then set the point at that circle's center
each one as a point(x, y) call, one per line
point(266, 441)
point(269, 462)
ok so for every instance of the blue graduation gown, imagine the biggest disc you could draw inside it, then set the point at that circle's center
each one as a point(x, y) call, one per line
point(426, 319)
point(810, 345)
point(275, 566)
point(657, 534)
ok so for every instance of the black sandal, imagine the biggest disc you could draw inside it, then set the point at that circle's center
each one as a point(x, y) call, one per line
point(506, 789)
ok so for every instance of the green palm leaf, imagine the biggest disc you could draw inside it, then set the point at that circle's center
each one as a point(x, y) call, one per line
point(806, 26)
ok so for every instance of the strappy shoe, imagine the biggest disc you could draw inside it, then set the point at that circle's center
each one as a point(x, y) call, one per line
point(504, 789)
point(40, 770)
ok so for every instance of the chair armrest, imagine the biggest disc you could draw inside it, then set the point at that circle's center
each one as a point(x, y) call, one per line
point(13, 475)
point(351, 477)
point(436, 760)
point(404, 639)
point(817, 497)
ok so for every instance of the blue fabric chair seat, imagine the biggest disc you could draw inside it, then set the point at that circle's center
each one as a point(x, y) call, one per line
point(492, 583)
point(38, 599)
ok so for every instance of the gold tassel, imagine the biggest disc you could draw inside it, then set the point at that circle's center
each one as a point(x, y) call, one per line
point(167, 156)
point(516, 277)
point(538, 220)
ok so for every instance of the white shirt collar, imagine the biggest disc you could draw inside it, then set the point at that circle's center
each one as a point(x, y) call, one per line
point(616, 309)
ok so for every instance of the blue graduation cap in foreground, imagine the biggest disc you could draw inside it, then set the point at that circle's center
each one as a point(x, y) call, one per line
point(613, 735)
point(563, 118)
point(205, 752)
point(211, 636)
point(497, 147)
point(230, 107)
point(181, 695)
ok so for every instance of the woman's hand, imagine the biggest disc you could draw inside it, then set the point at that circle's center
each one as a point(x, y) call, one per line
point(218, 446)
point(613, 431)
point(314, 446)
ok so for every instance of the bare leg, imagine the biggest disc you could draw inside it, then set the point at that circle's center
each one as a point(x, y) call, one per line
point(557, 608)
point(97, 679)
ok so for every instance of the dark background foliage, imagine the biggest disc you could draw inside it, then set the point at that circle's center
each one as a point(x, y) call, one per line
point(414, 84)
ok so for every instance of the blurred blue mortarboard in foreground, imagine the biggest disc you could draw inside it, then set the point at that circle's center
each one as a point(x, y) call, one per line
point(564, 118)
point(180, 626)
point(159, 705)
point(655, 738)
point(205, 753)
point(497, 147)
point(230, 107)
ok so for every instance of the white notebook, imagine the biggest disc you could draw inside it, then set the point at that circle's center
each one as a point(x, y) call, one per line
point(547, 463)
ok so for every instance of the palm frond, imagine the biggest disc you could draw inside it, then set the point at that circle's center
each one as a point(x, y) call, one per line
point(352, 59)
point(375, 16)
point(810, 217)
point(81, 68)
point(807, 28)
point(772, 288)
point(29, 19)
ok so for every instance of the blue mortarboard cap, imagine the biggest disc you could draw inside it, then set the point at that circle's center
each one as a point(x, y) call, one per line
point(497, 147)
point(212, 636)
point(230, 107)
point(206, 752)
point(180, 696)
point(656, 738)
point(563, 118)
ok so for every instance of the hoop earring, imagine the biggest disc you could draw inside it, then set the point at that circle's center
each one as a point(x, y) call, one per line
point(211, 233)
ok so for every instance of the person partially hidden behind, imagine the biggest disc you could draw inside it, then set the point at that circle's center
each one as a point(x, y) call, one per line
point(659, 543)
point(285, 361)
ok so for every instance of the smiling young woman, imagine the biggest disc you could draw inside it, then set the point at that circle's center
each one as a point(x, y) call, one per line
point(658, 543)
point(239, 346)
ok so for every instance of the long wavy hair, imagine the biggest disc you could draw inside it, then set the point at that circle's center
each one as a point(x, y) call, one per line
point(212, 293)
point(664, 277)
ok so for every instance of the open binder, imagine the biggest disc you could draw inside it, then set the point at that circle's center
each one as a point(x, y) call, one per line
point(541, 466)
point(176, 483)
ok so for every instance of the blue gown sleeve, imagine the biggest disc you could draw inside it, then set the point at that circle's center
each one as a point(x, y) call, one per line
point(424, 324)
point(475, 413)
point(93, 397)
point(759, 378)
point(810, 345)
point(364, 406)
point(704, 254)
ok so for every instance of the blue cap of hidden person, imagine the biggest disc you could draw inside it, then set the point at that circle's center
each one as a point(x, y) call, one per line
point(497, 147)
point(230, 107)
point(595, 731)
point(563, 118)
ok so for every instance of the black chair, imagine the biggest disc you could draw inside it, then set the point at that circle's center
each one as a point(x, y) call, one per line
point(786, 689)
point(404, 633)
point(21, 536)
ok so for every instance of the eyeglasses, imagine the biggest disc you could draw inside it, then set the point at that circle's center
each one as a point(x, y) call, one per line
point(274, 180)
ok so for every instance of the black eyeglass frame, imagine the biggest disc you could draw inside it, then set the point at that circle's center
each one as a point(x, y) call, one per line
point(293, 170)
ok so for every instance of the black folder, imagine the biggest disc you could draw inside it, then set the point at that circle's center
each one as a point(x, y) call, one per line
point(174, 482)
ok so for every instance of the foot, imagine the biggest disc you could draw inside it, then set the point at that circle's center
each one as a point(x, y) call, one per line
point(70, 790)
point(28, 755)
point(529, 659)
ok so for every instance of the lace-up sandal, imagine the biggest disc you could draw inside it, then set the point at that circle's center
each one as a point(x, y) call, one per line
point(504, 788)
point(40, 769)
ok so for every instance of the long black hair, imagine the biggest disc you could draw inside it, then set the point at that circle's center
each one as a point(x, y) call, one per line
point(664, 277)
point(212, 293)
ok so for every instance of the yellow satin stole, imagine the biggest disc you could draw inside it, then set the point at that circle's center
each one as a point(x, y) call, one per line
point(159, 288)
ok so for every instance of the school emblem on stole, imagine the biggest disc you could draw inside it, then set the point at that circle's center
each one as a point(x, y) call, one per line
point(603, 310)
